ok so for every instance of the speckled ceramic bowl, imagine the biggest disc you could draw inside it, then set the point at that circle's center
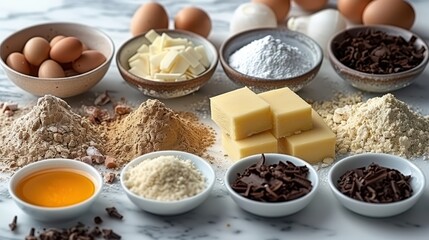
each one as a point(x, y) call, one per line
point(171, 207)
point(60, 87)
point(305, 44)
point(403, 165)
point(159, 89)
point(376, 82)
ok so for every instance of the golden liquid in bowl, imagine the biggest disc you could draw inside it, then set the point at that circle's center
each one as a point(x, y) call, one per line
point(55, 188)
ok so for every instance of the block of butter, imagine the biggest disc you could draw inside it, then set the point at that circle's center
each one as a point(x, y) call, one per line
point(290, 112)
point(312, 146)
point(260, 143)
point(240, 113)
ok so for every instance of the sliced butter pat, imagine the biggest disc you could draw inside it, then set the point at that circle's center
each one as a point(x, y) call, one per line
point(151, 35)
point(176, 42)
point(134, 57)
point(175, 48)
point(312, 146)
point(197, 70)
point(290, 112)
point(171, 77)
point(168, 60)
point(201, 51)
point(260, 143)
point(180, 66)
point(143, 49)
point(142, 63)
point(189, 56)
point(241, 113)
point(137, 71)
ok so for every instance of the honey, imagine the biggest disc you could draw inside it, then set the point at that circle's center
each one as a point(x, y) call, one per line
point(55, 188)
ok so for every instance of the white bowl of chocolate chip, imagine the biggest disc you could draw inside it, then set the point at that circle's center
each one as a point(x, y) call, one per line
point(376, 184)
point(272, 185)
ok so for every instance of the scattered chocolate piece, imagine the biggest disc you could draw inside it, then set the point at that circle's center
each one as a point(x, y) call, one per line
point(113, 212)
point(31, 235)
point(87, 159)
point(375, 184)
point(98, 220)
point(110, 162)
point(102, 99)
point(13, 224)
point(273, 183)
point(95, 232)
point(96, 115)
point(122, 109)
point(110, 234)
point(376, 52)
point(109, 177)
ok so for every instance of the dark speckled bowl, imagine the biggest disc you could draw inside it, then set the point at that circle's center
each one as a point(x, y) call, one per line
point(377, 82)
point(304, 43)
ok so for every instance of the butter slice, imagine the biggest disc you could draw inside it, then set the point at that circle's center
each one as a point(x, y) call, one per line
point(290, 112)
point(260, 143)
point(151, 35)
point(241, 113)
point(312, 146)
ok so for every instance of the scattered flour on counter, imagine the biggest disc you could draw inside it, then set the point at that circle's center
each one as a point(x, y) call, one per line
point(270, 58)
point(381, 124)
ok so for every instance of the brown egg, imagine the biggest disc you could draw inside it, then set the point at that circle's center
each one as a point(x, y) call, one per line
point(56, 39)
point(17, 62)
point(352, 9)
point(149, 16)
point(50, 69)
point(193, 19)
point(66, 50)
point(280, 7)
point(311, 5)
point(390, 12)
point(36, 50)
point(89, 60)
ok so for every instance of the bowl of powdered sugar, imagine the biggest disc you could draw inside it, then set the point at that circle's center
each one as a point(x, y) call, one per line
point(270, 58)
point(167, 182)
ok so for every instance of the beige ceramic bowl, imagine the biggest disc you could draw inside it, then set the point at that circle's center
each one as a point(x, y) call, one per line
point(304, 43)
point(376, 82)
point(60, 87)
point(165, 89)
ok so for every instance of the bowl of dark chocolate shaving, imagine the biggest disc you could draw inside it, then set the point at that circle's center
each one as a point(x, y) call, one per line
point(272, 185)
point(378, 58)
point(376, 184)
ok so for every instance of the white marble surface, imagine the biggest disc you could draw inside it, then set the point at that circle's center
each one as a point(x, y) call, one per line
point(218, 217)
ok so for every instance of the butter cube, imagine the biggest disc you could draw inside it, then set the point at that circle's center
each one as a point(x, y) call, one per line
point(143, 49)
point(151, 35)
point(180, 66)
point(260, 143)
point(201, 51)
point(312, 146)
point(168, 61)
point(290, 112)
point(241, 113)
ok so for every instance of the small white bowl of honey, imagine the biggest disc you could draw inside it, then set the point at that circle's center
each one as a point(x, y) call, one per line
point(55, 189)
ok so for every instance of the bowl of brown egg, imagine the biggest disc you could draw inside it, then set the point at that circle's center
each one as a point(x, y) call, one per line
point(61, 59)
point(167, 63)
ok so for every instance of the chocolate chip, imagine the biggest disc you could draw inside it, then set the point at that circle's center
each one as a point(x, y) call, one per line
point(13, 224)
point(375, 184)
point(273, 183)
point(113, 212)
point(110, 234)
point(31, 235)
point(377, 52)
point(98, 220)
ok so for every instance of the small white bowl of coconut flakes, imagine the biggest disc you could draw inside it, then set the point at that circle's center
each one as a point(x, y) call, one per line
point(168, 182)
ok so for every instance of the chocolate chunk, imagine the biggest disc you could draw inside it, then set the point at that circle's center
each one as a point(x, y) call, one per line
point(113, 212)
point(13, 224)
point(98, 220)
point(273, 183)
point(109, 177)
point(375, 184)
point(377, 52)
point(31, 235)
point(110, 234)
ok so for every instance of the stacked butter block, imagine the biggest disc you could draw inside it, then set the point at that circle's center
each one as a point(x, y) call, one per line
point(277, 121)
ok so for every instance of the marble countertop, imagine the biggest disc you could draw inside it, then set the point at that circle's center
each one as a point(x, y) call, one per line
point(218, 217)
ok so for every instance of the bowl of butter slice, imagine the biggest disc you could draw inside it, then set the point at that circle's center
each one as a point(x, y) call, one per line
point(167, 63)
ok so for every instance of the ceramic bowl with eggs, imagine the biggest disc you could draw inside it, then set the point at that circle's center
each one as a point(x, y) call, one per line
point(365, 204)
point(167, 63)
point(55, 189)
point(302, 59)
point(154, 200)
point(265, 208)
point(61, 59)
point(385, 64)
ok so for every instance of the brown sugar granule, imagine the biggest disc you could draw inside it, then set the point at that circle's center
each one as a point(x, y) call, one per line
point(50, 129)
point(154, 127)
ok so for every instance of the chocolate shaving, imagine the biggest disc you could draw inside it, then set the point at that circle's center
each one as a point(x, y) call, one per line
point(376, 52)
point(273, 183)
point(113, 212)
point(375, 184)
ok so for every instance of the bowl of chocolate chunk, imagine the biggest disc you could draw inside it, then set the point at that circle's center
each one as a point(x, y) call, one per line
point(271, 184)
point(270, 58)
point(376, 184)
point(167, 182)
point(60, 59)
point(167, 63)
point(378, 58)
